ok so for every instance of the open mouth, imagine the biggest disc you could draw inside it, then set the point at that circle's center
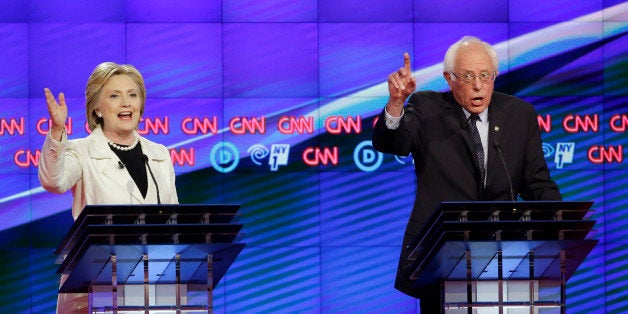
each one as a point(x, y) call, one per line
point(125, 115)
point(477, 100)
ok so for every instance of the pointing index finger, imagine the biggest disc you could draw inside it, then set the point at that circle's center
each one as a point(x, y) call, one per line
point(406, 62)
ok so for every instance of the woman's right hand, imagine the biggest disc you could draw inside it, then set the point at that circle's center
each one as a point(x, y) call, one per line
point(58, 112)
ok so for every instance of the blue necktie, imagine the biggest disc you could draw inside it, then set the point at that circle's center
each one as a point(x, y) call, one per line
point(477, 145)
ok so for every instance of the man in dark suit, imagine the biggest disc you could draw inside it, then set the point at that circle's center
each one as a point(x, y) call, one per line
point(455, 139)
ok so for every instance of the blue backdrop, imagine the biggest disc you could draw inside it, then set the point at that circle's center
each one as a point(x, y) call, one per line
point(270, 104)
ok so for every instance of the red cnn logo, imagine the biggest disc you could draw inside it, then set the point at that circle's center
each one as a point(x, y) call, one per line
point(183, 156)
point(618, 123)
point(47, 122)
point(600, 154)
point(26, 158)
point(199, 126)
point(243, 125)
point(12, 126)
point(545, 123)
point(576, 123)
point(314, 156)
point(154, 126)
point(348, 125)
point(292, 125)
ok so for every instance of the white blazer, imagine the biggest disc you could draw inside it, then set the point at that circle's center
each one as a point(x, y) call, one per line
point(90, 168)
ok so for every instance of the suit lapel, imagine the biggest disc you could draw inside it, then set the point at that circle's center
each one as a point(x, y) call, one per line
point(106, 162)
point(496, 123)
point(154, 158)
point(457, 121)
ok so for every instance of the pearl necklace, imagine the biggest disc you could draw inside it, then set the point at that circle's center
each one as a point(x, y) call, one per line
point(124, 148)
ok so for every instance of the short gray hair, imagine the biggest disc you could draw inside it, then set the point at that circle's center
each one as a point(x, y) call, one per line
point(452, 52)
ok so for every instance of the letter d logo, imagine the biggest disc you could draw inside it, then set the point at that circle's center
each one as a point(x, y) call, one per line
point(366, 158)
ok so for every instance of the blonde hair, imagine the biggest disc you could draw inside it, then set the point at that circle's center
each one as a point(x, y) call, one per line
point(97, 80)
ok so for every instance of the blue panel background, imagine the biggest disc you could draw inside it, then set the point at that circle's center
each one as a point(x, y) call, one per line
point(62, 55)
point(286, 68)
point(147, 11)
point(81, 12)
point(348, 49)
point(168, 70)
point(269, 11)
point(321, 236)
point(550, 11)
point(364, 11)
point(14, 11)
point(14, 39)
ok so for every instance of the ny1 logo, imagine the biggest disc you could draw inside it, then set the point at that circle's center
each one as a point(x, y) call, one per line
point(277, 155)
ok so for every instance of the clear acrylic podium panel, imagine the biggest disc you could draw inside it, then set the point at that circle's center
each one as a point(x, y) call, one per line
point(158, 278)
point(149, 259)
point(519, 294)
point(161, 299)
point(514, 257)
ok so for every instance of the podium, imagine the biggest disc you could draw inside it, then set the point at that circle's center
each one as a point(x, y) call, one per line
point(502, 257)
point(148, 258)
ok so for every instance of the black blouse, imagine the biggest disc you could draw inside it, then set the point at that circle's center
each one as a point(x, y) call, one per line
point(133, 161)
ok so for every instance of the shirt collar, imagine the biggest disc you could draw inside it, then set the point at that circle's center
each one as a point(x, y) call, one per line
point(483, 115)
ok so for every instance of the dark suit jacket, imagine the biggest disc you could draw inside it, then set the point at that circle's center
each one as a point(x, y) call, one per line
point(434, 130)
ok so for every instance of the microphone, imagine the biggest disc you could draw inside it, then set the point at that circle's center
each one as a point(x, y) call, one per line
point(498, 147)
point(152, 176)
point(121, 164)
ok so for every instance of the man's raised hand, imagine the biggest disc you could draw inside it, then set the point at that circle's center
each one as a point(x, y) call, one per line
point(401, 84)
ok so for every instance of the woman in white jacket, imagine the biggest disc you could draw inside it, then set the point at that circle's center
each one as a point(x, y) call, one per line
point(113, 164)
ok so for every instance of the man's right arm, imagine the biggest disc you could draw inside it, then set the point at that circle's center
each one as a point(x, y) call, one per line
point(392, 123)
point(401, 84)
point(388, 137)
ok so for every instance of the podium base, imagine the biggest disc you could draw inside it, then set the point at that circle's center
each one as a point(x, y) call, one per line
point(506, 296)
point(161, 298)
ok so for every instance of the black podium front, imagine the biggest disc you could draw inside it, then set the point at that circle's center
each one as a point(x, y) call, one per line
point(149, 257)
point(502, 257)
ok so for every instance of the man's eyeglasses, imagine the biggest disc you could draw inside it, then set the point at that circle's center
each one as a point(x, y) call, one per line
point(468, 78)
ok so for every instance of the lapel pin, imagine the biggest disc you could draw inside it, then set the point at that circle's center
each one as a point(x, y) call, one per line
point(496, 128)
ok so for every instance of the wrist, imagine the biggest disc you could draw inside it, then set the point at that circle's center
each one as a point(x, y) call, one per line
point(394, 110)
point(57, 133)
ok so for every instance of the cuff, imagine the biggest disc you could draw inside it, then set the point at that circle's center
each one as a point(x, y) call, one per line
point(55, 145)
point(392, 123)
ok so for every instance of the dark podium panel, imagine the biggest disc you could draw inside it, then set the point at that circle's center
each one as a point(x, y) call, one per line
point(188, 247)
point(501, 247)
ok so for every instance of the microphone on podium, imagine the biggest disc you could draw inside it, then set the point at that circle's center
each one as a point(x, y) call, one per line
point(152, 176)
point(498, 147)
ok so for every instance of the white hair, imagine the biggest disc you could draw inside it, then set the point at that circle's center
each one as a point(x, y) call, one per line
point(452, 52)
